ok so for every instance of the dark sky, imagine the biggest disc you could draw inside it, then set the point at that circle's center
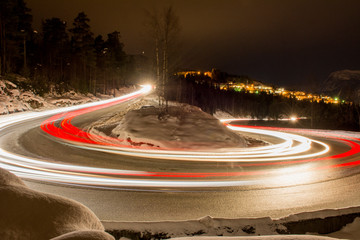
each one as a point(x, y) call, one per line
point(282, 42)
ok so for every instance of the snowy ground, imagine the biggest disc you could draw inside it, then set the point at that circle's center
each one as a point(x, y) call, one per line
point(13, 100)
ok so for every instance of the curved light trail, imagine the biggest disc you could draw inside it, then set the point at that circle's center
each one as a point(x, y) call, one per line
point(293, 155)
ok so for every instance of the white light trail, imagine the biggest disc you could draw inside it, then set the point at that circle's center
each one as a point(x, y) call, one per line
point(288, 147)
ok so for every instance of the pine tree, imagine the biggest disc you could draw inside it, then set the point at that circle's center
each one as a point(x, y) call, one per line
point(55, 47)
point(82, 45)
point(15, 29)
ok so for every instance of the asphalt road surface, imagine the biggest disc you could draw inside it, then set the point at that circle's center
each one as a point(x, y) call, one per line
point(301, 170)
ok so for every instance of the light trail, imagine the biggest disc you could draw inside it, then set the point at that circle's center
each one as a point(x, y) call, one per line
point(289, 150)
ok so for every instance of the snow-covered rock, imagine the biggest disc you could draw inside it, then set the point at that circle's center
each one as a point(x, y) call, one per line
point(344, 84)
point(28, 214)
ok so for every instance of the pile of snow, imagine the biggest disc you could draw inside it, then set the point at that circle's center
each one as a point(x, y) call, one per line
point(350, 231)
point(325, 224)
point(28, 214)
point(344, 84)
point(183, 126)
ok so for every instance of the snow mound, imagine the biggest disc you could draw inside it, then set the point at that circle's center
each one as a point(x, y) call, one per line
point(9, 179)
point(349, 231)
point(28, 214)
point(183, 126)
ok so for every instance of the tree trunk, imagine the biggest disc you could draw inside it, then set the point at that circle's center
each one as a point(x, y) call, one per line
point(158, 69)
point(165, 70)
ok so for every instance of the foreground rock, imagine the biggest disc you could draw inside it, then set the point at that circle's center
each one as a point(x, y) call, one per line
point(28, 214)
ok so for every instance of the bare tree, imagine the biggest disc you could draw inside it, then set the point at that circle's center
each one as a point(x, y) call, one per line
point(164, 28)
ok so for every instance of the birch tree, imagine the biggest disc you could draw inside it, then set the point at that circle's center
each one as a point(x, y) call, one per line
point(164, 28)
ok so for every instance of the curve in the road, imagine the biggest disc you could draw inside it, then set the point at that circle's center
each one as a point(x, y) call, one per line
point(295, 153)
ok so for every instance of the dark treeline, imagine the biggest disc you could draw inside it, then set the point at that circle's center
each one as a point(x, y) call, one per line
point(208, 96)
point(63, 55)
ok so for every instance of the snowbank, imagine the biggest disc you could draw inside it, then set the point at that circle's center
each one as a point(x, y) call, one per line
point(339, 223)
point(13, 99)
point(28, 214)
point(290, 237)
point(350, 231)
point(85, 235)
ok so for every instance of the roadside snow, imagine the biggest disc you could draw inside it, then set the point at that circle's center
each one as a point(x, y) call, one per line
point(350, 231)
point(85, 235)
point(308, 224)
point(32, 215)
point(13, 100)
point(275, 237)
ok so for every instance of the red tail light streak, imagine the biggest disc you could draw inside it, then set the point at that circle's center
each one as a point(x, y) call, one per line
point(293, 152)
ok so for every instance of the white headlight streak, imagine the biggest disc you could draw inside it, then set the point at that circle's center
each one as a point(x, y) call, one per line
point(287, 149)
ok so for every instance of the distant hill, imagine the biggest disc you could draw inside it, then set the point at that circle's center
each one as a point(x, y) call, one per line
point(344, 84)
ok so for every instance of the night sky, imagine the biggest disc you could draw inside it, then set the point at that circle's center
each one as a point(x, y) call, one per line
point(288, 43)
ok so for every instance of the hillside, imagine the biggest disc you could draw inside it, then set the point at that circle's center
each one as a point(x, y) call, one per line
point(344, 84)
point(14, 99)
